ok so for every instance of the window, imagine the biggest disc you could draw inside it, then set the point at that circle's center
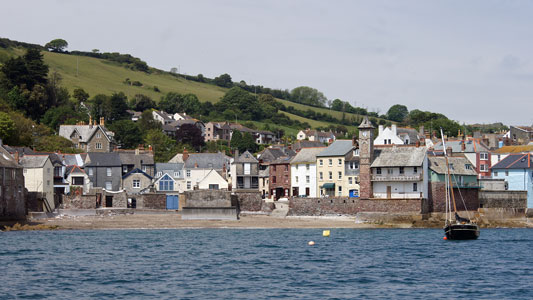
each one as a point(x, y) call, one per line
point(415, 170)
point(307, 180)
point(57, 171)
point(77, 180)
point(468, 166)
point(274, 168)
point(401, 170)
point(109, 171)
point(98, 145)
point(48, 182)
point(48, 170)
point(389, 142)
point(274, 179)
point(296, 167)
point(90, 170)
point(483, 156)
point(247, 167)
point(188, 185)
point(378, 171)
point(495, 173)
point(340, 175)
point(415, 187)
point(321, 162)
point(330, 175)
point(340, 190)
point(320, 175)
point(484, 168)
point(330, 162)
point(349, 180)
point(188, 173)
point(166, 183)
point(354, 165)
point(136, 183)
point(159, 174)
point(108, 185)
point(286, 168)
point(144, 168)
point(340, 162)
point(98, 135)
point(385, 141)
point(506, 173)
point(296, 179)
point(213, 186)
point(124, 169)
point(307, 167)
point(390, 171)
point(177, 174)
point(286, 178)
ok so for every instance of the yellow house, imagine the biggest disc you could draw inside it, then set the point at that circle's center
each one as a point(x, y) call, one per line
point(333, 177)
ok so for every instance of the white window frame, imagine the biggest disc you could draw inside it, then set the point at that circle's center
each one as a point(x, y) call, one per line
point(188, 185)
point(330, 162)
point(321, 176)
point(98, 145)
point(296, 179)
point(340, 175)
point(415, 187)
point(340, 162)
point(177, 174)
point(307, 179)
point(330, 175)
point(483, 156)
point(188, 173)
point(90, 171)
point(109, 185)
point(136, 183)
point(483, 167)
point(98, 135)
point(321, 162)
point(109, 172)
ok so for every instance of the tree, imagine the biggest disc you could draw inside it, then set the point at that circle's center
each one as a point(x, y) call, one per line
point(174, 70)
point(236, 139)
point(146, 122)
point(7, 127)
point(337, 105)
point(190, 134)
point(57, 45)
point(247, 143)
point(98, 105)
point(242, 103)
point(200, 78)
point(141, 103)
point(26, 71)
point(127, 133)
point(170, 103)
point(118, 107)
point(309, 96)
point(223, 80)
point(80, 94)
point(397, 113)
point(52, 143)
point(61, 115)
point(164, 147)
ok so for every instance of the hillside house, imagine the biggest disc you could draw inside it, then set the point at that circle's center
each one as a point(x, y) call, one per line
point(397, 136)
point(315, 135)
point(89, 138)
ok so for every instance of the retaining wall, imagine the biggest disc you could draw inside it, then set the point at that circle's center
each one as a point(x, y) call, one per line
point(249, 200)
point(209, 213)
point(503, 199)
point(437, 197)
point(351, 206)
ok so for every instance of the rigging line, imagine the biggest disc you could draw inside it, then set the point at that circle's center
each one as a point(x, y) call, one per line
point(461, 195)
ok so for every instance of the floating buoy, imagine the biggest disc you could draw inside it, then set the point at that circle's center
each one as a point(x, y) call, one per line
point(444, 238)
point(311, 243)
point(325, 233)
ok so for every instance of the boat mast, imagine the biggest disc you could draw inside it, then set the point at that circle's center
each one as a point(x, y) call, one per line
point(448, 169)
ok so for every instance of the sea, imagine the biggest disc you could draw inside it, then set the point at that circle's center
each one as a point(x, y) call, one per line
point(265, 264)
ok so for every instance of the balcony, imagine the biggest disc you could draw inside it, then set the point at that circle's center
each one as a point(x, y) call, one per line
point(250, 186)
point(386, 177)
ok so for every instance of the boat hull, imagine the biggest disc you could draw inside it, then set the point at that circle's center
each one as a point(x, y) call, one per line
point(461, 231)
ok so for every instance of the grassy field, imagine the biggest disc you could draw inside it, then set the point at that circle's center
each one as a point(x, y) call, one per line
point(97, 76)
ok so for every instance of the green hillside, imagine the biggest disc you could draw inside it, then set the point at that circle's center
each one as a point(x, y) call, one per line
point(99, 76)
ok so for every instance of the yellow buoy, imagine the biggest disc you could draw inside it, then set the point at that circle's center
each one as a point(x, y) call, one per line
point(325, 233)
point(311, 243)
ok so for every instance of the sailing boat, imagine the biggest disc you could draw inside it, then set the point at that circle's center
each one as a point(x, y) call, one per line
point(457, 228)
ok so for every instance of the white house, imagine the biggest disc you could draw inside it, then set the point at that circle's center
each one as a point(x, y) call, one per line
point(169, 178)
point(199, 165)
point(213, 181)
point(396, 136)
point(315, 135)
point(76, 177)
point(303, 172)
point(400, 172)
point(162, 117)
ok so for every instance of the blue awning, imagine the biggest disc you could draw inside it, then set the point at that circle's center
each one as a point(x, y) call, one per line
point(328, 186)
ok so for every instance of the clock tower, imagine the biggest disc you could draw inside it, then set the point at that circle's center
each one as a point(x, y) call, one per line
point(366, 155)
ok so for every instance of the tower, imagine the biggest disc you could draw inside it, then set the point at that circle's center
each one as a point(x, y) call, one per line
point(366, 155)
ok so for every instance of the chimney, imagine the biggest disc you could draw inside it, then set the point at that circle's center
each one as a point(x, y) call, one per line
point(236, 153)
point(150, 148)
point(102, 121)
point(449, 151)
point(463, 145)
point(17, 158)
point(90, 120)
point(185, 154)
point(380, 130)
point(137, 151)
point(393, 128)
point(95, 123)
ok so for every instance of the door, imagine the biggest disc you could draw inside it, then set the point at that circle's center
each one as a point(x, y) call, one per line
point(172, 202)
point(389, 192)
point(108, 201)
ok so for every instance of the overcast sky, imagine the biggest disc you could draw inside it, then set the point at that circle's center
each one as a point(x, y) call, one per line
point(471, 60)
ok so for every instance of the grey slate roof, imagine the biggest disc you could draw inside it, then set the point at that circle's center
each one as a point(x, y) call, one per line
point(337, 148)
point(282, 160)
point(130, 158)
point(103, 159)
point(136, 171)
point(515, 161)
point(306, 144)
point(265, 172)
point(207, 161)
point(74, 159)
point(307, 155)
point(85, 131)
point(169, 168)
point(471, 146)
point(271, 154)
point(399, 157)
point(412, 133)
point(246, 157)
point(438, 165)
point(33, 161)
point(7, 160)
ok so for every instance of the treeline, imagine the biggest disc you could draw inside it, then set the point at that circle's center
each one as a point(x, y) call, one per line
point(125, 60)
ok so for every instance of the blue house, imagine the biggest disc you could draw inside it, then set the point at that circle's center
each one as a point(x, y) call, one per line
point(517, 170)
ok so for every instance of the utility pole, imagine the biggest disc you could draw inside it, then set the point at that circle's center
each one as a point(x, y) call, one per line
point(77, 64)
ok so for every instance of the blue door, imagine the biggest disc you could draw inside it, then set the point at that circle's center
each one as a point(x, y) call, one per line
point(172, 202)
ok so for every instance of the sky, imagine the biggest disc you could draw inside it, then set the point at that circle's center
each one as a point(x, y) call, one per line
point(470, 60)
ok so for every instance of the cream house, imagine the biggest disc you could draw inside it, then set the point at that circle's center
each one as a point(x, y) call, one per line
point(303, 172)
point(213, 181)
point(331, 169)
point(39, 177)
point(199, 165)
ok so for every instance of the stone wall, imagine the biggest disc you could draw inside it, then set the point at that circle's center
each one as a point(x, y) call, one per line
point(151, 201)
point(437, 197)
point(351, 206)
point(74, 201)
point(34, 201)
point(503, 199)
point(249, 200)
point(208, 198)
point(12, 200)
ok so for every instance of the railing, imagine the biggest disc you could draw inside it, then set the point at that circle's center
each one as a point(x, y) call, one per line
point(466, 185)
point(386, 177)
point(243, 186)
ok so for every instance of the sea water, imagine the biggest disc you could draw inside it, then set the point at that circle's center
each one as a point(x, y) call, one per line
point(265, 264)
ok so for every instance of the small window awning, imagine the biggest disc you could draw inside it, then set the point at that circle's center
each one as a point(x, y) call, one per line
point(328, 186)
